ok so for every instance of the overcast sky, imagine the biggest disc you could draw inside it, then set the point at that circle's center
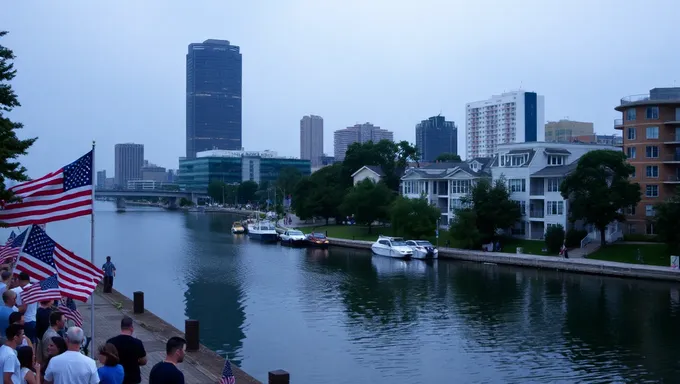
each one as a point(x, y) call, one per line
point(114, 71)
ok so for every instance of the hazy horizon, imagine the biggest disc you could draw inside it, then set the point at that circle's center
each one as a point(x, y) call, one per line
point(115, 72)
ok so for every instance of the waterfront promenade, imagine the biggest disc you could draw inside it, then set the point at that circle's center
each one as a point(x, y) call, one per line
point(200, 367)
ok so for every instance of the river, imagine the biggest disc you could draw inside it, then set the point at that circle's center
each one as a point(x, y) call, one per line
point(342, 316)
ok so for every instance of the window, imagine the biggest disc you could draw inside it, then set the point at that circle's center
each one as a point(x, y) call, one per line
point(652, 132)
point(460, 186)
point(652, 113)
point(630, 211)
point(649, 210)
point(652, 151)
point(555, 208)
point(631, 152)
point(652, 191)
point(652, 171)
point(631, 114)
point(632, 133)
point(555, 160)
point(522, 206)
point(554, 184)
point(650, 230)
point(517, 185)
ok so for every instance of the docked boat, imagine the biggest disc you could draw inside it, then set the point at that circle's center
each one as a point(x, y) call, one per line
point(316, 239)
point(423, 249)
point(392, 247)
point(263, 230)
point(237, 228)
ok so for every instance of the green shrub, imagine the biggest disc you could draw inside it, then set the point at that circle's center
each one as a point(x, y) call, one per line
point(640, 237)
point(554, 238)
point(574, 237)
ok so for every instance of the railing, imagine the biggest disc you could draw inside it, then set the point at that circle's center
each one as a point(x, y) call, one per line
point(535, 213)
point(536, 191)
point(672, 157)
point(646, 97)
point(618, 123)
point(673, 178)
point(585, 241)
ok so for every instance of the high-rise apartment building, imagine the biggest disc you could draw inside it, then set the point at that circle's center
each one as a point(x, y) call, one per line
point(311, 139)
point(513, 117)
point(213, 108)
point(101, 178)
point(129, 159)
point(565, 131)
point(360, 133)
point(435, 136)
point(651, 140)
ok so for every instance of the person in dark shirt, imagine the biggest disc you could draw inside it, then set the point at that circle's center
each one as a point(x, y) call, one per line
point(42, 318)
point(166, 372)
point(130, 351)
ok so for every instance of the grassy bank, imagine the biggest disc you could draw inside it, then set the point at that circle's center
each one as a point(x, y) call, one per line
point(651, 254)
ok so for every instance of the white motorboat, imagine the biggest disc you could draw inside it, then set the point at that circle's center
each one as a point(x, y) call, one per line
point(423, 249)
point(263, 230)
point(392, 247)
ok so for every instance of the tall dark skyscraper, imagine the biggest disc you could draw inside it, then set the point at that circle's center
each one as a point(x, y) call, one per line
point(435, 136)
point(213, 97)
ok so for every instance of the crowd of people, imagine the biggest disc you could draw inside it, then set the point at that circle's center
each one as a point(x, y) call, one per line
point(37, 347)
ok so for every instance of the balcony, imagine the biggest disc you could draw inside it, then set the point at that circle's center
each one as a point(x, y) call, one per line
point(672, 159)
point(633, 99)
point(536, 187)
point(536, 213)
point(618, 123)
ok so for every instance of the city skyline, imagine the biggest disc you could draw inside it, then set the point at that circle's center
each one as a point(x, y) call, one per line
point(391, 86)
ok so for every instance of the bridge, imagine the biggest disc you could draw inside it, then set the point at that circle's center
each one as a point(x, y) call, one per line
point(171, 196)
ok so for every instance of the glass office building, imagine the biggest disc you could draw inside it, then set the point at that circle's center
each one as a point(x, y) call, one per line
point(213, 105)
point(234, 167)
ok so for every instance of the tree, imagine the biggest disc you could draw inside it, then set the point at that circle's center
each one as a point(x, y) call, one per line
point(217, 190)
point(406, 152)
point(327, 192)
point(489, 209)
point(554, 238)
point(391, 157)
point(11, 147)
point(288, 178)
point(599, 189)
point(301, 198)
point(368, 201)
point(246, 191)
point(464, 229)
point(667, 222)
point(414, 218)
point(447, 157)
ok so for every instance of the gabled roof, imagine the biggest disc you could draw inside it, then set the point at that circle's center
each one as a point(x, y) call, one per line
point(530, 152)
point(373, 168)
point(447, 169)
point(556, 151)
point(556, 171)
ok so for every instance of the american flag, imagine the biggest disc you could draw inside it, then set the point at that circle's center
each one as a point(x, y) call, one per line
point(42, 257)
point(60, 195)
point(10, 250)
point(47, 289)
point(227, 374)
point(68, 307)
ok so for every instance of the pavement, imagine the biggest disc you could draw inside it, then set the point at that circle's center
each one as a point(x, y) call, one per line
point(200, 367)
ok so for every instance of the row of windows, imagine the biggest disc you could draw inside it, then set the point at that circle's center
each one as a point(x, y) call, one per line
point(651, 152)
point(552, 208)
point(649, 211)
point(650, 133)
point(650, 113)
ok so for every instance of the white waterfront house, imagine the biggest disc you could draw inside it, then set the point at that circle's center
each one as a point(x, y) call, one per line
point(533, 173)
point(372, 172)
point(443, 184)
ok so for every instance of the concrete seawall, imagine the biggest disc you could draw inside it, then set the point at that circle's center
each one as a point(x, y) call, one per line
point(591, 266)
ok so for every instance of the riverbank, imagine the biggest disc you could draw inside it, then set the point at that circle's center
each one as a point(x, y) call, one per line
point(590, 266)
point(200, 367)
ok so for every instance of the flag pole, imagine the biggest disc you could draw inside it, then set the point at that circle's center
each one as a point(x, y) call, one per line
point(92, 256)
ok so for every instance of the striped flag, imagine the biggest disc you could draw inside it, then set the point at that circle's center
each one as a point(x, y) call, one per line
point(10, 251)
point(60, 195)
point(227, 374)
point(47, 289)
point(42, 257)
point(68, 307)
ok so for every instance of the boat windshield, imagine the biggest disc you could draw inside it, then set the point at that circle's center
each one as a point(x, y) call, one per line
point(294, 233)
point(398, 243)
point(423, 243)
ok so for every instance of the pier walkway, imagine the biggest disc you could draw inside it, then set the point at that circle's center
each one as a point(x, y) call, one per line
point(200, 367)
